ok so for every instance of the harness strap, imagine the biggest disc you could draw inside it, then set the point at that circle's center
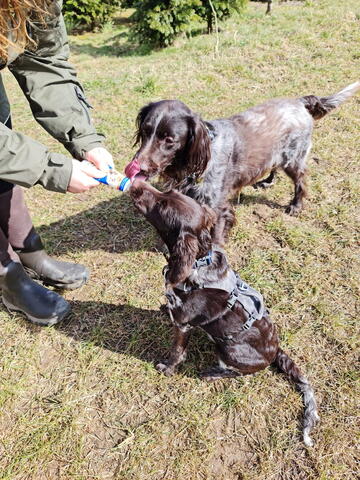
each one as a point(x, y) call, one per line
point(249, 322)
point(250, 299)
point(233, 298)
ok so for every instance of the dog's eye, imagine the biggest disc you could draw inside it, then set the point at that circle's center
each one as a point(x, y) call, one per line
point(169, 140)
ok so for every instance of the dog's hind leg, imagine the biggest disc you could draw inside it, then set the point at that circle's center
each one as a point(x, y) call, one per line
point(294, 155)
point(219, 371)
point(267, 182)
point(297, 175)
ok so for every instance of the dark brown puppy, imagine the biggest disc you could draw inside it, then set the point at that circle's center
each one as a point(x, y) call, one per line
point(203, 291)
point(210, 161)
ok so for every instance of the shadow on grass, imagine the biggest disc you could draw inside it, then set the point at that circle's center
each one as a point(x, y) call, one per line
point(128, 330)
point(133, 331)
point(245, 199)
point(121, 45)
point(114, 226)
point(117, 46)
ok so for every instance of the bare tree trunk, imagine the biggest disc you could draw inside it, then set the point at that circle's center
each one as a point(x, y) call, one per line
point(210, 23)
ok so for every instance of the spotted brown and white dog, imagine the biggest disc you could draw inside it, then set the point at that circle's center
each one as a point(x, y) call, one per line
point(203, 291)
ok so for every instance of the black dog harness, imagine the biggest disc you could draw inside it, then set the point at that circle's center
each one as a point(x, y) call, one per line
point(250, 299)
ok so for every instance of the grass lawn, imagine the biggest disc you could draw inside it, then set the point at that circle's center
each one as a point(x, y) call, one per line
point(83, 400)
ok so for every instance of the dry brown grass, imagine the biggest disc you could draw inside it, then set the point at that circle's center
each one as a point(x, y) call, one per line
point(83, 400)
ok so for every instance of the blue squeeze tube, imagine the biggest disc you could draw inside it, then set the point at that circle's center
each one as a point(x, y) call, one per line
point(115, 180)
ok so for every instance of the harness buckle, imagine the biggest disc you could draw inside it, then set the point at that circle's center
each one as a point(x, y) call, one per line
point(241, 285)
point(231, 300)
point(203, 261)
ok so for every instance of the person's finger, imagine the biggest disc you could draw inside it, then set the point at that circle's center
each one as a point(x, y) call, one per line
point(101, 158)
point(81, 181)
point(91, 182)
point(91, 170)
point(106, 155)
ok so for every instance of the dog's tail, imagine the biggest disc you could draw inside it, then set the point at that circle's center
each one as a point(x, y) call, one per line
point(318, 107)
point(284, 363)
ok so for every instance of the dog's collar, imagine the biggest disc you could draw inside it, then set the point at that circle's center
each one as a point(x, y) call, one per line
point(251, 300)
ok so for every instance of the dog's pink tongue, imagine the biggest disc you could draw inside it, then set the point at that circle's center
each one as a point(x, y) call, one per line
point(132, 169)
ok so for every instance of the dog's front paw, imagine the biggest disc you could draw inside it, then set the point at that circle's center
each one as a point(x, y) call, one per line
point(173, 300)
point(165, 369)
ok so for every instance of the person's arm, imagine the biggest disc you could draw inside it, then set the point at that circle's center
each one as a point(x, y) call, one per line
point(25, 162)
point(50, 85)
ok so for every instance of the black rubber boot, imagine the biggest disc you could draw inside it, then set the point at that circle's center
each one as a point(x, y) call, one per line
point(40, 266)
point(20, 293)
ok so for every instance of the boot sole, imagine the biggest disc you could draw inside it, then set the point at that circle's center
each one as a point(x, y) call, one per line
point(64, 286)
point(39, 321)
point(51, 283)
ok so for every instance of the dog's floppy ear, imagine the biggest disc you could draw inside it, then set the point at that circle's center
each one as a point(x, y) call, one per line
point(182, 258)
point(140, 120)
point(198, 153)
point(209, 216)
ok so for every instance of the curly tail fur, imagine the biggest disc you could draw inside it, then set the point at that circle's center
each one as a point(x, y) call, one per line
point(284, 363)
point(318, 107)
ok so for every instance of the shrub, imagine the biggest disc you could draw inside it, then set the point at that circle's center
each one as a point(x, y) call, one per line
point(89, 14)
point(222, 8)
point(158, 23)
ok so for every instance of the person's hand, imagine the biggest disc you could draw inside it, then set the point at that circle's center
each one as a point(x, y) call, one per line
point(83, 177)
point(101, 158)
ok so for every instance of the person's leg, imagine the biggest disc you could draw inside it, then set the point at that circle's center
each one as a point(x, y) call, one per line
point(7, 255)
point(21, 293)
point(16, 223)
